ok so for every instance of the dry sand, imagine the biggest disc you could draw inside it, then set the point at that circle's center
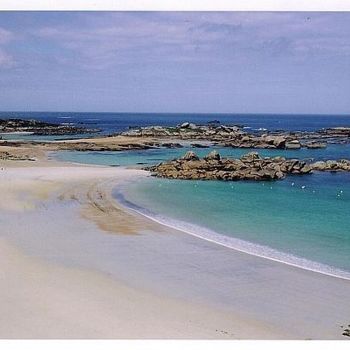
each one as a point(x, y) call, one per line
point(40, 300)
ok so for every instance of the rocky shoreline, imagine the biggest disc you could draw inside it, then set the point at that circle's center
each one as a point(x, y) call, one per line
point(196, 136)
point(91, 145)
point(237, 137)
point(250, 166)
point(36, 127)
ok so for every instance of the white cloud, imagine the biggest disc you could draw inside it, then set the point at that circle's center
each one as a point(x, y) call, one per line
point(101, 40)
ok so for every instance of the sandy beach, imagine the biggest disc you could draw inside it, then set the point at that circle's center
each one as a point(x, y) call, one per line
point(175, 170)
point(75, 264)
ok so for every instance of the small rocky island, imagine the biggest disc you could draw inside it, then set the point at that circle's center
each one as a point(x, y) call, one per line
point(212, 167)
point(250, 166)
point(37, 127)
point(237, 137)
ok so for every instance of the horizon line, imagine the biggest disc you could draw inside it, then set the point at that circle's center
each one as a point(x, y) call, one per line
point(179, 113)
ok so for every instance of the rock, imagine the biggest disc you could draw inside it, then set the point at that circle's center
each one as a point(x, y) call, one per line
point(279, 141)
point(314, 145)
point(339, 130)
point(37, 127)
point(199, 145)
point(331, 165)
point(272, 140)
point(268, 139)
point(305, 169)
point(320, 165)
point(279, 175)
point(172, 145)
point(245, 138)
point(250, 157)
point(213, 155)
point(190, 155)
point(185, 125)
point(212, 167)
point(277, 159)
point(293, 144)
point(234, 136)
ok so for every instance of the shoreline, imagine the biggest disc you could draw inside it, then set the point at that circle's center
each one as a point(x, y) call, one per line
point(225, 241)
point(229, 242)
point(186, 287)
point(20, 260)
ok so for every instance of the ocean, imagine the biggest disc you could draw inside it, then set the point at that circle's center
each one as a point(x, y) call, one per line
point(302, 220)
point(114, 122)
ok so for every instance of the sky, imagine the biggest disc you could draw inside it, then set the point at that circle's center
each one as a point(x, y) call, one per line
point(205, 62)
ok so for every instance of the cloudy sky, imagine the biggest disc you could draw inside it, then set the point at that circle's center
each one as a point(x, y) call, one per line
point(175, 62)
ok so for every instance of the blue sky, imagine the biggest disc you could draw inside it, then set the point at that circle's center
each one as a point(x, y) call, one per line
point(175, 62)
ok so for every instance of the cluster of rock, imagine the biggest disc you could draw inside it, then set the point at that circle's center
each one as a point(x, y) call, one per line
point(232, 136)
point(264, 141)
point(101, 147)
point(339, 131)
point(185, 131)
point(235, 136)
point(212, 167)
point(93, 144)
point(332, 165)
point(41, 128)
point(321, 137)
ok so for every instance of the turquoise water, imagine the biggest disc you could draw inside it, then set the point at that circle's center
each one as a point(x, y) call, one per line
point(301, 217)
point(291, 220)
point(154, 156)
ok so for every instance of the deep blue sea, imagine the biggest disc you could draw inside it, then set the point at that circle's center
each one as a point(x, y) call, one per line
point(302, 220)
point(113, 122)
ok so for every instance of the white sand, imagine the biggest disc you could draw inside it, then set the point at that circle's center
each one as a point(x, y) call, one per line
point(66, 277)
point(39, 300)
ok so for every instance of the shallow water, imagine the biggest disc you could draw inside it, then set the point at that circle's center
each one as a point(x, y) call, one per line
point(153, 156)
point(303, 216)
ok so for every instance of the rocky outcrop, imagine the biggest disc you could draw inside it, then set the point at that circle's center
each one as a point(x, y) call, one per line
point(235, 136)
point(212, 167)
point(186, 131)
point(337, 131)
point(213, 155)
point(41, 128)
point(199, 145)
point(117, 143)
point(314, 145)
point(190, 156)
point(229, 136)
point(293, 144)
point(331, 165)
